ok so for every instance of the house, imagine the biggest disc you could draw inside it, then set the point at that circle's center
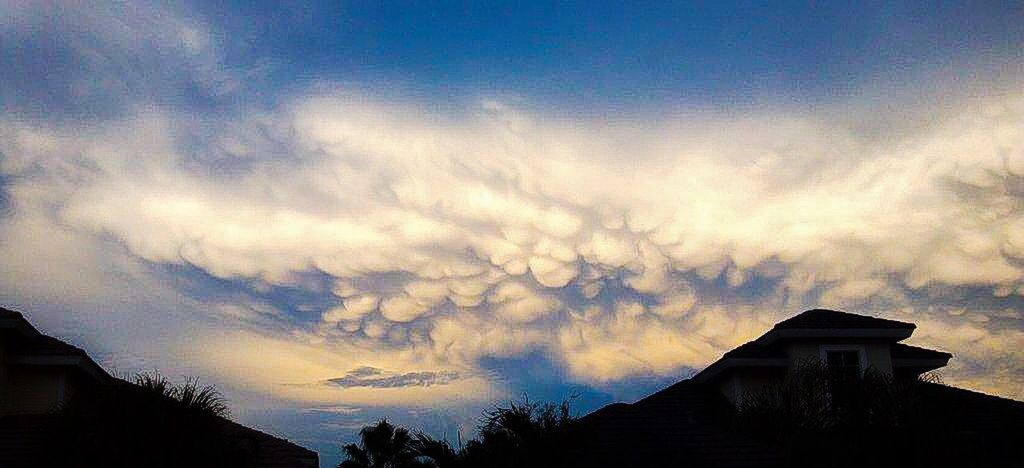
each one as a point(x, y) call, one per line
point(697, 422)
point(843, 341)
point(39, 373)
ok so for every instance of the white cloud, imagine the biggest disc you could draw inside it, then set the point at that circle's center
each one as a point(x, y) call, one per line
point(451, 237)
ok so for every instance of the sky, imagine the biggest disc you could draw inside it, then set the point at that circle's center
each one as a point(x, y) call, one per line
point(352, 210)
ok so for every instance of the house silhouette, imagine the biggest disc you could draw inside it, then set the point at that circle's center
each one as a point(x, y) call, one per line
point(39, 374)
point(698, 423)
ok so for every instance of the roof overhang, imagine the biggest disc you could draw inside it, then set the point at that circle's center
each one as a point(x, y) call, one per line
point(776, 334)
point(83, 363)
point(922, 364)
point(718, 367)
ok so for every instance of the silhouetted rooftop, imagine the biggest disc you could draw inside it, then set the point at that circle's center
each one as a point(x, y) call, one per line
point(752, 349)
point(48, 345)
point(39, 343)
point(686, 424)
point(834, 319)
point(691, 424)
point(270, 451)
point(24, 437)
point(902, 351)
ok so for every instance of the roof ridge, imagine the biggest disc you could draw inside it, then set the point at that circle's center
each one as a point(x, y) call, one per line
point(818, 318)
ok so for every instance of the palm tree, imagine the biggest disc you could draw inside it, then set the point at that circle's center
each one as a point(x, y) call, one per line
point(382, 445)
point(522, 434)
point(438, 453)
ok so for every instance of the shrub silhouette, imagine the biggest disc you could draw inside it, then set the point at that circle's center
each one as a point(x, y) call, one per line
point(823, 419)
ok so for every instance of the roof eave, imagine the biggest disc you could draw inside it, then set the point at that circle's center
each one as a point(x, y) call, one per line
point(923, 364)
point(775, 334)
point(83, 363)
point(718, 367)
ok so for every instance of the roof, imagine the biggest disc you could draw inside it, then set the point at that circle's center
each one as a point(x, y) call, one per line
point(6, 313)
point(685, 424)
point(31, 347)
point(816, 324)
point(903, 351)
point(976, 411)
point(752, 349)
point(271, 451)
point(690, 424)
point(24, 437)
point(267, 451)
point(48, 345)
point(818, 319)
point(986, 429)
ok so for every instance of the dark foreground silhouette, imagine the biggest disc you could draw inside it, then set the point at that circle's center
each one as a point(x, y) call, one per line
point(146, 421)
point(819, 417)
point(522, 434)
point(58, 407)
point(813, 418)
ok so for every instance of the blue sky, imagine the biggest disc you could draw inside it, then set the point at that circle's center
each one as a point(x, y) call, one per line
point(618, 54)
point(350, 210)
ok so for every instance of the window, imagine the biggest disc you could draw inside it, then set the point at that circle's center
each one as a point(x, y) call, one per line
point(847, 359)
point(844, 362)
point(845, 366)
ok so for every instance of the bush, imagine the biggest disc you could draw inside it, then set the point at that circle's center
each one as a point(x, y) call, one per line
point(826, 420)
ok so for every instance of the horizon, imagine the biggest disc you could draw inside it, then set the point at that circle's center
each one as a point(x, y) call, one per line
point(346, 211)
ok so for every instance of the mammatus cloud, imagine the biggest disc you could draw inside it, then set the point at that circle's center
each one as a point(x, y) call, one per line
point(503, 233)
point(442, 238)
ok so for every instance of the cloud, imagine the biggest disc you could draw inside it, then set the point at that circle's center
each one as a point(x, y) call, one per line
point(471, 240)
point(614, 248)
point(377, 378)
point(70, 61)
point(334, 410)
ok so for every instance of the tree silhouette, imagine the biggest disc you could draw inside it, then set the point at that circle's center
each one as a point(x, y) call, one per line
point(521, 434)
point(382, 445)
point(438, 453)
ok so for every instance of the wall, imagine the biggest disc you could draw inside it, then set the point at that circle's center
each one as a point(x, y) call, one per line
point(877, 352)
point(37, 389)
point(729, 386)
point(740, 383)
